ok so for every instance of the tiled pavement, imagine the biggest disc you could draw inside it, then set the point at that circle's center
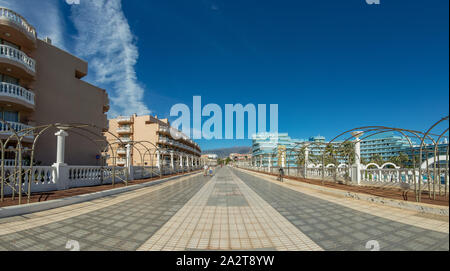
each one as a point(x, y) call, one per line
point(233, 210)
point(336, 227)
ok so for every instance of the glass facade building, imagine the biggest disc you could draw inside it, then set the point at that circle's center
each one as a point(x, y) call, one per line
point(386, 145)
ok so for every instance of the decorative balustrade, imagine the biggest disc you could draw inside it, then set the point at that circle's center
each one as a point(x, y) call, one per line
point(18, 92)
point(124, 130)
point(124, 119)
point(39, 179)
point(16, 55)
point(121, 151)
point(85, 173)
point(18, 127)
point(7, 14)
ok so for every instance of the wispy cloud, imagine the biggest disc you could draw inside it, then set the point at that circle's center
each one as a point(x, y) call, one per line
point(105, 39)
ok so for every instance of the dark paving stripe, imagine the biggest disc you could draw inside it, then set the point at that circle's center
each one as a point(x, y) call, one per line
point(335, 227)
point(123, 226)
point(226, 192)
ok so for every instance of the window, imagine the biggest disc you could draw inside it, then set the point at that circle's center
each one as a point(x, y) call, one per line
point(8, 79)
point(12, 116)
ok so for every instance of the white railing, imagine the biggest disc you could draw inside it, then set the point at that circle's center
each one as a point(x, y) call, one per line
point(124, 119)
point(125, 139)
point(7, 14)
point(163, 129)
point(124, 130)
point(9, 52)
point(4, 129)
point(85, 173)
point(394, 177)
point(121, 161)
point(40, 179)
point(82, 176)
point(12, 163)
point(121, 151)
point(18, 92)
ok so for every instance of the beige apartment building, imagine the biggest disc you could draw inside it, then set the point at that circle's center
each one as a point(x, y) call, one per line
point(151, 143)
point(41, 84)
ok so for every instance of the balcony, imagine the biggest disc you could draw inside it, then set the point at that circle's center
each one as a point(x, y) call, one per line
point(122, 151)
point(18, 94)
point(122, 120)
point(17, 62)
point(7, 131)
point(125, 139)
point(15, 28)
point(124, 130)
point(121, 162)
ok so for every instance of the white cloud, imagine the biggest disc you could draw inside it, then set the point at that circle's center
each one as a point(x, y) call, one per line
point(105, 39)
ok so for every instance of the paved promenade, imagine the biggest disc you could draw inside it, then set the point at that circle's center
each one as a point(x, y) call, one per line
point(234, 210)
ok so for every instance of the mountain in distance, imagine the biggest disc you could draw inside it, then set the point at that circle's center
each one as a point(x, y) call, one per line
point(225, 152)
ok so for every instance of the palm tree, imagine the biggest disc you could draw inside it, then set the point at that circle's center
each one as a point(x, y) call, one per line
point(301, 157)
point(347, 151)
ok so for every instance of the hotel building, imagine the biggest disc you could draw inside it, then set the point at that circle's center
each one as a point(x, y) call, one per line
point(386, 145)
point(41, 84)
point(152, 143)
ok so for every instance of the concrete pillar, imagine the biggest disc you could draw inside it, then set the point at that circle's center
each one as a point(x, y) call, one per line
point(270, 164)
point(61, 173)
point(128, 158)
point(356, 168)
point(261, 161)
point(61, 146)
point(158, 160)
point(129, 162)
point(172, 165)
point(305, 170)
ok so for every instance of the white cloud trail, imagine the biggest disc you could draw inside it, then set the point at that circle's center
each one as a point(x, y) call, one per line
point(105, 39)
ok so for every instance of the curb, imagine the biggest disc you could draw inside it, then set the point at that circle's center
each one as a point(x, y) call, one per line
point(407, 205)
point(11, 211)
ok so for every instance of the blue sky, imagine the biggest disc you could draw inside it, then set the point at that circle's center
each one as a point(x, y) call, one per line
point(330, 65)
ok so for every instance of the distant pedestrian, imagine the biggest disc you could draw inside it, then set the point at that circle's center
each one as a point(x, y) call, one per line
point(205, 170)
point(281, 174)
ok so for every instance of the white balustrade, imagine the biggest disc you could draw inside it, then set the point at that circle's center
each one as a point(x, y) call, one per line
point(14, 54)
point(11, 16)
point(18, 92)
point(16, 126)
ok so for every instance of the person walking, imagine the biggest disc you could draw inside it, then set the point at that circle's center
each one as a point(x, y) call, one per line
point(280, 178)
point(205, 170)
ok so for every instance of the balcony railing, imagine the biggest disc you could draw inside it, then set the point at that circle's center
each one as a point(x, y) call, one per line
point(18, 92)
point(163, 129)
point(16, 55)
point(121, 151)
point(7, 14)
point(125, 139)
point(122, 130)
point(124, 119)
point(16, 126)
point(121, 161)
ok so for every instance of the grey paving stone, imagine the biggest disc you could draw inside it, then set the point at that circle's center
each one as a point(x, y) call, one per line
point(344, 228)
